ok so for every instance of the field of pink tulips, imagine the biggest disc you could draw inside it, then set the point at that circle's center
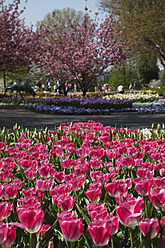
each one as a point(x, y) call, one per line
point(82, 185)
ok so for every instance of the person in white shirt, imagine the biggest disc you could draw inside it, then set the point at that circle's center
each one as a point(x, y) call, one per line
point(120, 89)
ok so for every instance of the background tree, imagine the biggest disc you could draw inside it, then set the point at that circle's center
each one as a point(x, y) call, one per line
point(58, 17)
point(144, 23)
point(16, 41)
point(83, 51)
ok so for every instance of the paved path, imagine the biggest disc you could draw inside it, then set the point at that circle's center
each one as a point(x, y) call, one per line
point(25, 118)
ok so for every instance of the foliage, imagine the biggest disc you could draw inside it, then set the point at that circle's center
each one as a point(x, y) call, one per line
point(144, 24)
point(161, 91)
point(58, 17)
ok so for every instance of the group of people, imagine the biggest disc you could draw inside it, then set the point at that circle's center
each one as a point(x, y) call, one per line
point(132, 87)
point(58, 87)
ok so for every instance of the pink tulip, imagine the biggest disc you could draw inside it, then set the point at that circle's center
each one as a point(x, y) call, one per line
point(93, 195)
point(44, 185)
point(6, 176)
point(30, 174)
point(5, 210)
point(31, 218)
point(82, 152)
point(66, 216)
point(10, 191)
point(112, 221)
point(116, 188)
point(11, 236)
point(3, 232)
point(29, 192)
point(64, 188)
point(59, 176)
point(45, 171)
point(65, 202)
point(157, 197)
point(100, 233)
point(129, 213)
point(68, 163)
point(123, 197)
point(159, 182)
point(71, 228)
point(43, 229)
point(142, 186)
point(145, 226)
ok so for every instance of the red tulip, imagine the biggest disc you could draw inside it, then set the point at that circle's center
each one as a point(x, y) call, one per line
point(145, 226)
point(11, 236)
point(129, 213)
point(100, 233)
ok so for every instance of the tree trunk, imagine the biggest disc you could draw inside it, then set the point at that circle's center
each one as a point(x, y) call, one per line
point(84, 92)
point(4, 79)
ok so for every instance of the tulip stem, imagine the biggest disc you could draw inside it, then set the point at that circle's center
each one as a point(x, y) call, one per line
point(152, 245)
point(112, 243)
point(72, 244)
point(131, 238)
point(32, 240)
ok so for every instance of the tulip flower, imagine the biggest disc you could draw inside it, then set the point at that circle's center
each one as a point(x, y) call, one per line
point(30, 174)
point(71, 228)
point(10, 191)
point(44, 185)
point(31, 218)
point(157, 197)
point(59, 176)
point(129, 213)
point(65, 202)
point(93, 195)
point(43, 229)
point(11, 236)
point(145, 226)
point(3, 232)
point(5, 210)
point(142, 186)
point(100, 233)
point(66, 216)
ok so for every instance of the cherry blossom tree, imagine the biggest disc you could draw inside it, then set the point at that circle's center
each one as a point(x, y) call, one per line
point(82, 52)
point(16, 40)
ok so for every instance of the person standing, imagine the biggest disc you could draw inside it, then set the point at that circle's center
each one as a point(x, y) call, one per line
point(120, 89)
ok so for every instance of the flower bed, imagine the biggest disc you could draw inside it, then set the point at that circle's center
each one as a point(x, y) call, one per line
point(92, 102)
point(82, 185)
point(136, 97)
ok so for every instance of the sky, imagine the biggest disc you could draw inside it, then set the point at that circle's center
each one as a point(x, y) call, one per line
point(36, 10)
